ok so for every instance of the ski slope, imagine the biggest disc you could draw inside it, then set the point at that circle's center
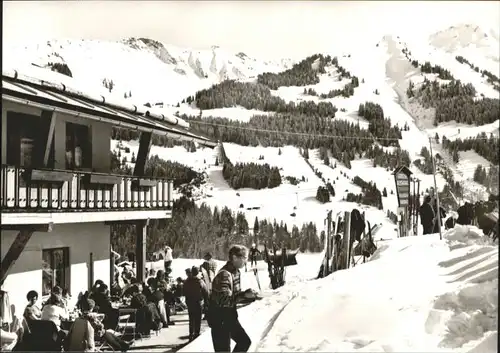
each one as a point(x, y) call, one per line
point(292, 204)
point(416, 294)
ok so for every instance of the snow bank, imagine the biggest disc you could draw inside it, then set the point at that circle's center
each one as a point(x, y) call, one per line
point(416, 294)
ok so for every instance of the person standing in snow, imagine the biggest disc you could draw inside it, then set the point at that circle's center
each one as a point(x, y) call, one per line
point(253, 255)
point(222, 316)
point(196, 294)
point(209, 264)
point(427, 215)
point(167, 258)
point(208, 269)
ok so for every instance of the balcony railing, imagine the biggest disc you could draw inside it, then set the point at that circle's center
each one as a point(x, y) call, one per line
point(43, 190)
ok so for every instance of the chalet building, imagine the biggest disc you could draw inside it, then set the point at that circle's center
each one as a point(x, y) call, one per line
point(58, 196)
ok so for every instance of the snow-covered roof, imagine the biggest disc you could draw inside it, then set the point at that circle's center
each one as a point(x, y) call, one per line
point(53, 91)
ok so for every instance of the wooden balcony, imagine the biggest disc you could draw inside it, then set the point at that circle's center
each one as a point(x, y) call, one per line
point(44, 190)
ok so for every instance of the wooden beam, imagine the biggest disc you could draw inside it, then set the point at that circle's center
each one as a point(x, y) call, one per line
point(143, 153)
point(44, 228)
point(50, 138)
point(44, 135)
point(140, 250)
point(126, 222)
point(104, 179)
point(15, 250)
point(50, 176)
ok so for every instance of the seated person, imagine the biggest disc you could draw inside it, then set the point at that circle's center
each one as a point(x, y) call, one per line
point(32, 311)
point(160, 282)
point(101, 299)
point(179, 293)
point(151, 273)
point(66, 297)
point(133, 290)
point(58, 292)
point(147, 315)
point(89, 326)
point(104, 306)
point(9, 340)
point(81, 298)
point(157, 299)
point(96, 285)
point(54, 311)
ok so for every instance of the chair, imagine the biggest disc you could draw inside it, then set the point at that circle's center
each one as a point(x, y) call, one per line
point(124, 322)
point(44, 336)
point(101, 344)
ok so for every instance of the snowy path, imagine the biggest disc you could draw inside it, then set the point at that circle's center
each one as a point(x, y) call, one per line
point(417, 294)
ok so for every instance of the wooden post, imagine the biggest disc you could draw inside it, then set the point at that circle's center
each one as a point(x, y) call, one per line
point(417, 206)
point(336, 245)
point(347, 238)
point(90, 272)
point(141, 228)
point(142, 155)
point(414, 206)
point(44, 138)
point(17, 247)
point(436, 189)
point(111, 265)
point(329, 249)
point(364, 236)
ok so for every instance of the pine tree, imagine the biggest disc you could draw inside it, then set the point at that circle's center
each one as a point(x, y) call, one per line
point(256, 226)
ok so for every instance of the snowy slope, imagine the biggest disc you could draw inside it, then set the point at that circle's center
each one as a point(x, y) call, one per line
point(416, 294)
point(151, 71)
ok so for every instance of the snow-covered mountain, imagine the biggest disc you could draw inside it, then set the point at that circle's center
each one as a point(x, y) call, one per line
point(462, 36)
point(482, 46)
point(149, 70)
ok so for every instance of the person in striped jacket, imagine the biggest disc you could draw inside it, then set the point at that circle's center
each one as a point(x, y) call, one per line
point(226, 293)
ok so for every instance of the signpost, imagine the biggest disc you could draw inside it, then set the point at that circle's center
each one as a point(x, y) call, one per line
point(402, 177)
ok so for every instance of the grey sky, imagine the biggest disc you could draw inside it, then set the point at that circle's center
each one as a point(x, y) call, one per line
point(264, 29)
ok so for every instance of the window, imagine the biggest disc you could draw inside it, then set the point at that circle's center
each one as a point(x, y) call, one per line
point(78, 147)
point(55, 269)
point(22, 132)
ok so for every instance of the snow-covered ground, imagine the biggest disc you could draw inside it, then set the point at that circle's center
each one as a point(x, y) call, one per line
point(416, 294)
point(452, 130)
point(234, 113)
point(282, 202)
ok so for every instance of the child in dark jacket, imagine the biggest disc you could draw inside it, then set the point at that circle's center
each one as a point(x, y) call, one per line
point(195, 292)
